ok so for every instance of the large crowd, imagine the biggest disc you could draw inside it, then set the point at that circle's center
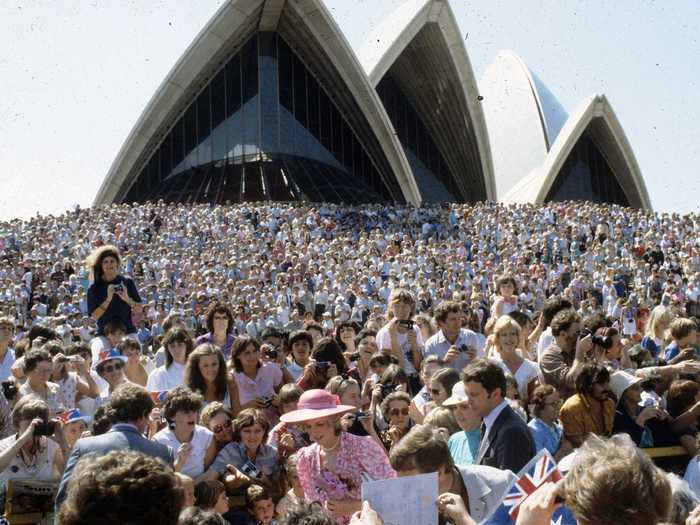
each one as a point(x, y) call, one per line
point(256, 363)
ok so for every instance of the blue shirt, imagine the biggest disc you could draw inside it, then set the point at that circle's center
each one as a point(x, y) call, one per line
point(464, 446)
point(544, 435)
point(649, 344)
point(266, 461)
point(671, 351)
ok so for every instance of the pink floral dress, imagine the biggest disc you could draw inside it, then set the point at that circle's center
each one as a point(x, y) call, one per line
point(359, 458)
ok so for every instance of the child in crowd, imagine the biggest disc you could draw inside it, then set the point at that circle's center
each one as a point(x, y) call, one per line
point(187, 484)
point(683, 332)
point(211, 495)
point(288, 438)
point(295, 494)
point(260, 506)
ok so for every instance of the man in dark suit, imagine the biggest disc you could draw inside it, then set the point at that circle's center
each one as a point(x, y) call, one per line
point(129, 409)
point(506, 442)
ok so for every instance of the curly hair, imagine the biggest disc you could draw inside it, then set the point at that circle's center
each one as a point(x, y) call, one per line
point(193, 375)
point(539, 396)
point(218, 308)
point(33, 357)
point(181, 399)
point(213, 409)
point(394, 396)
point(94, 260)
point(122, 486)
point(129, 403)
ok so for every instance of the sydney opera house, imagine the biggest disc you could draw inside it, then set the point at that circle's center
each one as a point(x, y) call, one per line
point(270, 102)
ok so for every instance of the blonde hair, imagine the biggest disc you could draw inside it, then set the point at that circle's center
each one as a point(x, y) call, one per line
point(503, 323)
point(658, 314)
point(612, 481)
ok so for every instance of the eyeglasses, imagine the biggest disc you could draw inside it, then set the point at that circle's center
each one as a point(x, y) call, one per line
point(434, 391)
point(220, 428)
point(398, 411)
point(111, 368)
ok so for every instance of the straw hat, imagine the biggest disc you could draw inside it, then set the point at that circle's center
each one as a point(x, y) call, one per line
point(459, 395)
point(621, 381)
point(315, 404)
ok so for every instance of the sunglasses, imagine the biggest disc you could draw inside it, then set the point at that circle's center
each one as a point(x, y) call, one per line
point(111, 368)
point(220, 428)
point(398, 411)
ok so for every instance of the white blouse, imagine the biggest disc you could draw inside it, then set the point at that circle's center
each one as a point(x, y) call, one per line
point(166, 378)
point(200, 443)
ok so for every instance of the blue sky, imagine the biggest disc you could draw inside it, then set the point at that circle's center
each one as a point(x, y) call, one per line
point(76, 74)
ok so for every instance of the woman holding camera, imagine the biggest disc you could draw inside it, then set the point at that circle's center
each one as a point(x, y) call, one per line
point(256, 382)
point(111, 295)
point(38, 450)
point(401, 337)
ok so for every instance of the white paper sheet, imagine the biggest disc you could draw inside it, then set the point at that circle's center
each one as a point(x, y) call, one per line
point(404, 501)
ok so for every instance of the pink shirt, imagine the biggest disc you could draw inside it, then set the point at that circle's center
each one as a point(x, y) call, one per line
point(357, 456)
point(268, 377)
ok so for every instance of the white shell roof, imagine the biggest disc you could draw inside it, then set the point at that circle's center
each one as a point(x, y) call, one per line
point(595, 114)
point(389, 39)
point(523, 118)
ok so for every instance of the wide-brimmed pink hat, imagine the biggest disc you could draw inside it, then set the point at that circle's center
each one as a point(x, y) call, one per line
point(315, 404)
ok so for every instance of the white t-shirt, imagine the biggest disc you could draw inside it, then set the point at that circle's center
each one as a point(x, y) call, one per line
point(528, 372)
point(200, 443)
point(166, 378)
point(384, 341)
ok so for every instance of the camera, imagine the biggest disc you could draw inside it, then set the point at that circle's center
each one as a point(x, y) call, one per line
point(406, 323)
point(46, 428)
point(249, 469)
point(463, 348)
point(267, 401)
point(354, 357)
point(271, 353)
point(361, 415)
point(118, 287)
point(323, 366)
point(9, 389)
point(387, 389)
point(601, 340)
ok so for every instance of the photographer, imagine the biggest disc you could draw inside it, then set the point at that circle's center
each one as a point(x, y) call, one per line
point(38, 450)
point(561, 362)
point(327, 361)
point(401, 337)
point(111, 296)
point(457, 346)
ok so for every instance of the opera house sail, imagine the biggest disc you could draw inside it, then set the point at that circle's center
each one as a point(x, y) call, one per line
point(270, 103)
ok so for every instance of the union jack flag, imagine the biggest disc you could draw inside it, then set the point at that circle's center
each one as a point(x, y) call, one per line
point(159, 397)
point(540, 469)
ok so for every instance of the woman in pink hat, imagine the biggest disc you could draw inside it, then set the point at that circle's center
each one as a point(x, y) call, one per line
point(332, 469)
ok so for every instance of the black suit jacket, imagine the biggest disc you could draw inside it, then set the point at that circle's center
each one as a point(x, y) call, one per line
point(508, 445)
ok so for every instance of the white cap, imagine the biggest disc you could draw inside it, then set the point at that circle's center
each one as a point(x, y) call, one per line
point(621, 381)
point(459, 395)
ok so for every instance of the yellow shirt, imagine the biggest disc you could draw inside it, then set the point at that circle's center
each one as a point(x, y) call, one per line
point(582, 415)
